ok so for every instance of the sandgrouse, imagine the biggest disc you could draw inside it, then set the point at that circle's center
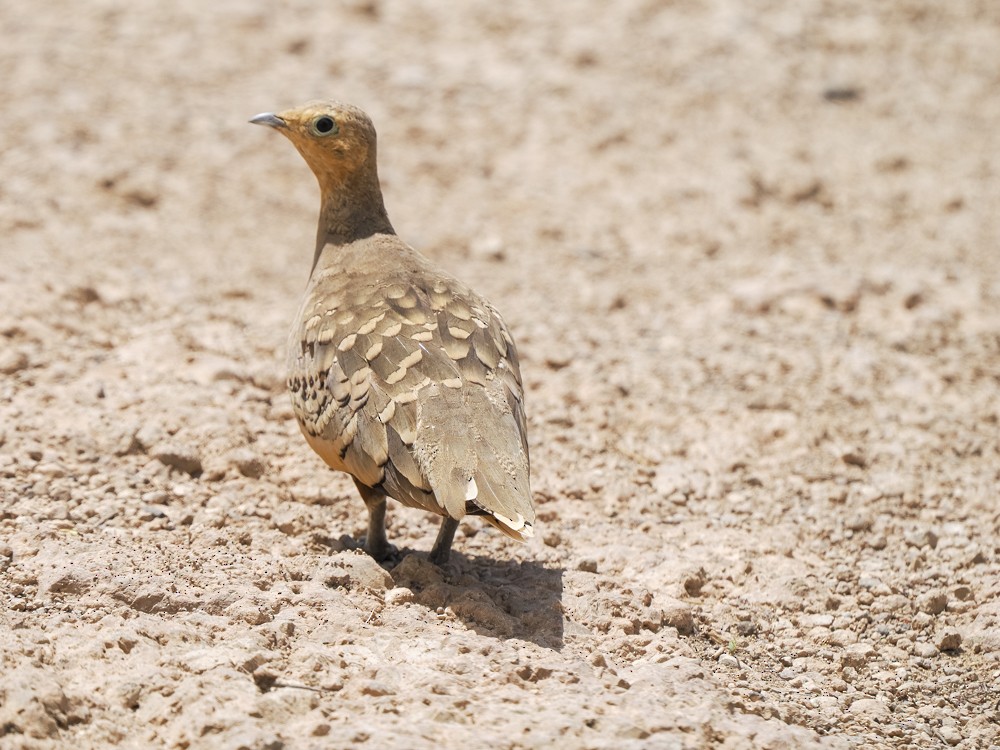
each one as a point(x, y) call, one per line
point(400, 375)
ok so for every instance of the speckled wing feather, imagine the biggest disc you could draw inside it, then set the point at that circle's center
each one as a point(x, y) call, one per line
point(406, 379)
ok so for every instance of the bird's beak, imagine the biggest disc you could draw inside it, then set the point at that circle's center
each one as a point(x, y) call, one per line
point(270, 119)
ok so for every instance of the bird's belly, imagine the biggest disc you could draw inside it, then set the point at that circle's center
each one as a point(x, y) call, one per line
point(326, 450)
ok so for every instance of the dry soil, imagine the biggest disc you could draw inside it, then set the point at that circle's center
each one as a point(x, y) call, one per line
point(751, 256)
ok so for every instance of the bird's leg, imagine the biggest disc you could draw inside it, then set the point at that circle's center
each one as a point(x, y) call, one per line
point(442, 545)
point(375, 544)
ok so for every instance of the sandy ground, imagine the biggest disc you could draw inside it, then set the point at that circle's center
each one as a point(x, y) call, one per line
point(751, 256)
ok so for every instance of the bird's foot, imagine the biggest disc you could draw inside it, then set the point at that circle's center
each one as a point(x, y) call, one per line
point(442, 545)
point(440, 557)
point(380, 549)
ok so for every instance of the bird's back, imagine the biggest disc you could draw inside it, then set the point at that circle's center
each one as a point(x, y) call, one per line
point(406, 379)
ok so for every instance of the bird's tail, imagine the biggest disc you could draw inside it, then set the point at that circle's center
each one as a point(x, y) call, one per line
point(479, 465)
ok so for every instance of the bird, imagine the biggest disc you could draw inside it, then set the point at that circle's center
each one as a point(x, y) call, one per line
point(400, 375)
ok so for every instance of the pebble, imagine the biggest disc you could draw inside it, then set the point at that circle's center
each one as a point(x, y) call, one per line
point(869, 707)
point(155, 497)
point(677, 614)
point(857, 655)
point(933, 602)
point(949, 640)
point(878, 542)
point(924, 650)
point(694, 581)
point(150, 512)
point(587, 566)
point(399, 595)
point(860, 522)
point(246, 462)
point(842, 637)
point(921, 538)
point(869, 582)
point(728, 660)
point(962, 593)
point(12, 360)
point(490, 247)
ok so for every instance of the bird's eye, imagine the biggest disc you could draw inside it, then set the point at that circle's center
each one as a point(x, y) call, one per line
point(324, 125)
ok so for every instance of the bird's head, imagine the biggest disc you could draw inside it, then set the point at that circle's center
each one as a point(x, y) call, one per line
point(336, 140)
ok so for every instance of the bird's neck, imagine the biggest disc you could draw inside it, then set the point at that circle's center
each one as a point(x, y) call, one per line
point(352, 209)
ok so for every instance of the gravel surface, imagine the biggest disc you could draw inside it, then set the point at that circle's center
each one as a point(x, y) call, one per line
point(751, 256)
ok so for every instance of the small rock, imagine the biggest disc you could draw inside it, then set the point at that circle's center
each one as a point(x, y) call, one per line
point(728, 660)
point(246, 462)
point(677, 614)
point(287, 521)
point(398, 595)
point(552, 539)
point(891, 603)
point(924, 650)
point(533, 674)
point(869, 707)
point(842, 637)
point(151, 512)
point(921, 538)
point(694, 581)
point(489, 247)
point(962, 593)
point(860, 522)
point(558, 360)
point(948, 640)
point(854, 458)
point(842, 93)
point(12, 360)
point(587, 566)
point(933, 602)
point(892, 655)
point(155, 497)
point(857, 655)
